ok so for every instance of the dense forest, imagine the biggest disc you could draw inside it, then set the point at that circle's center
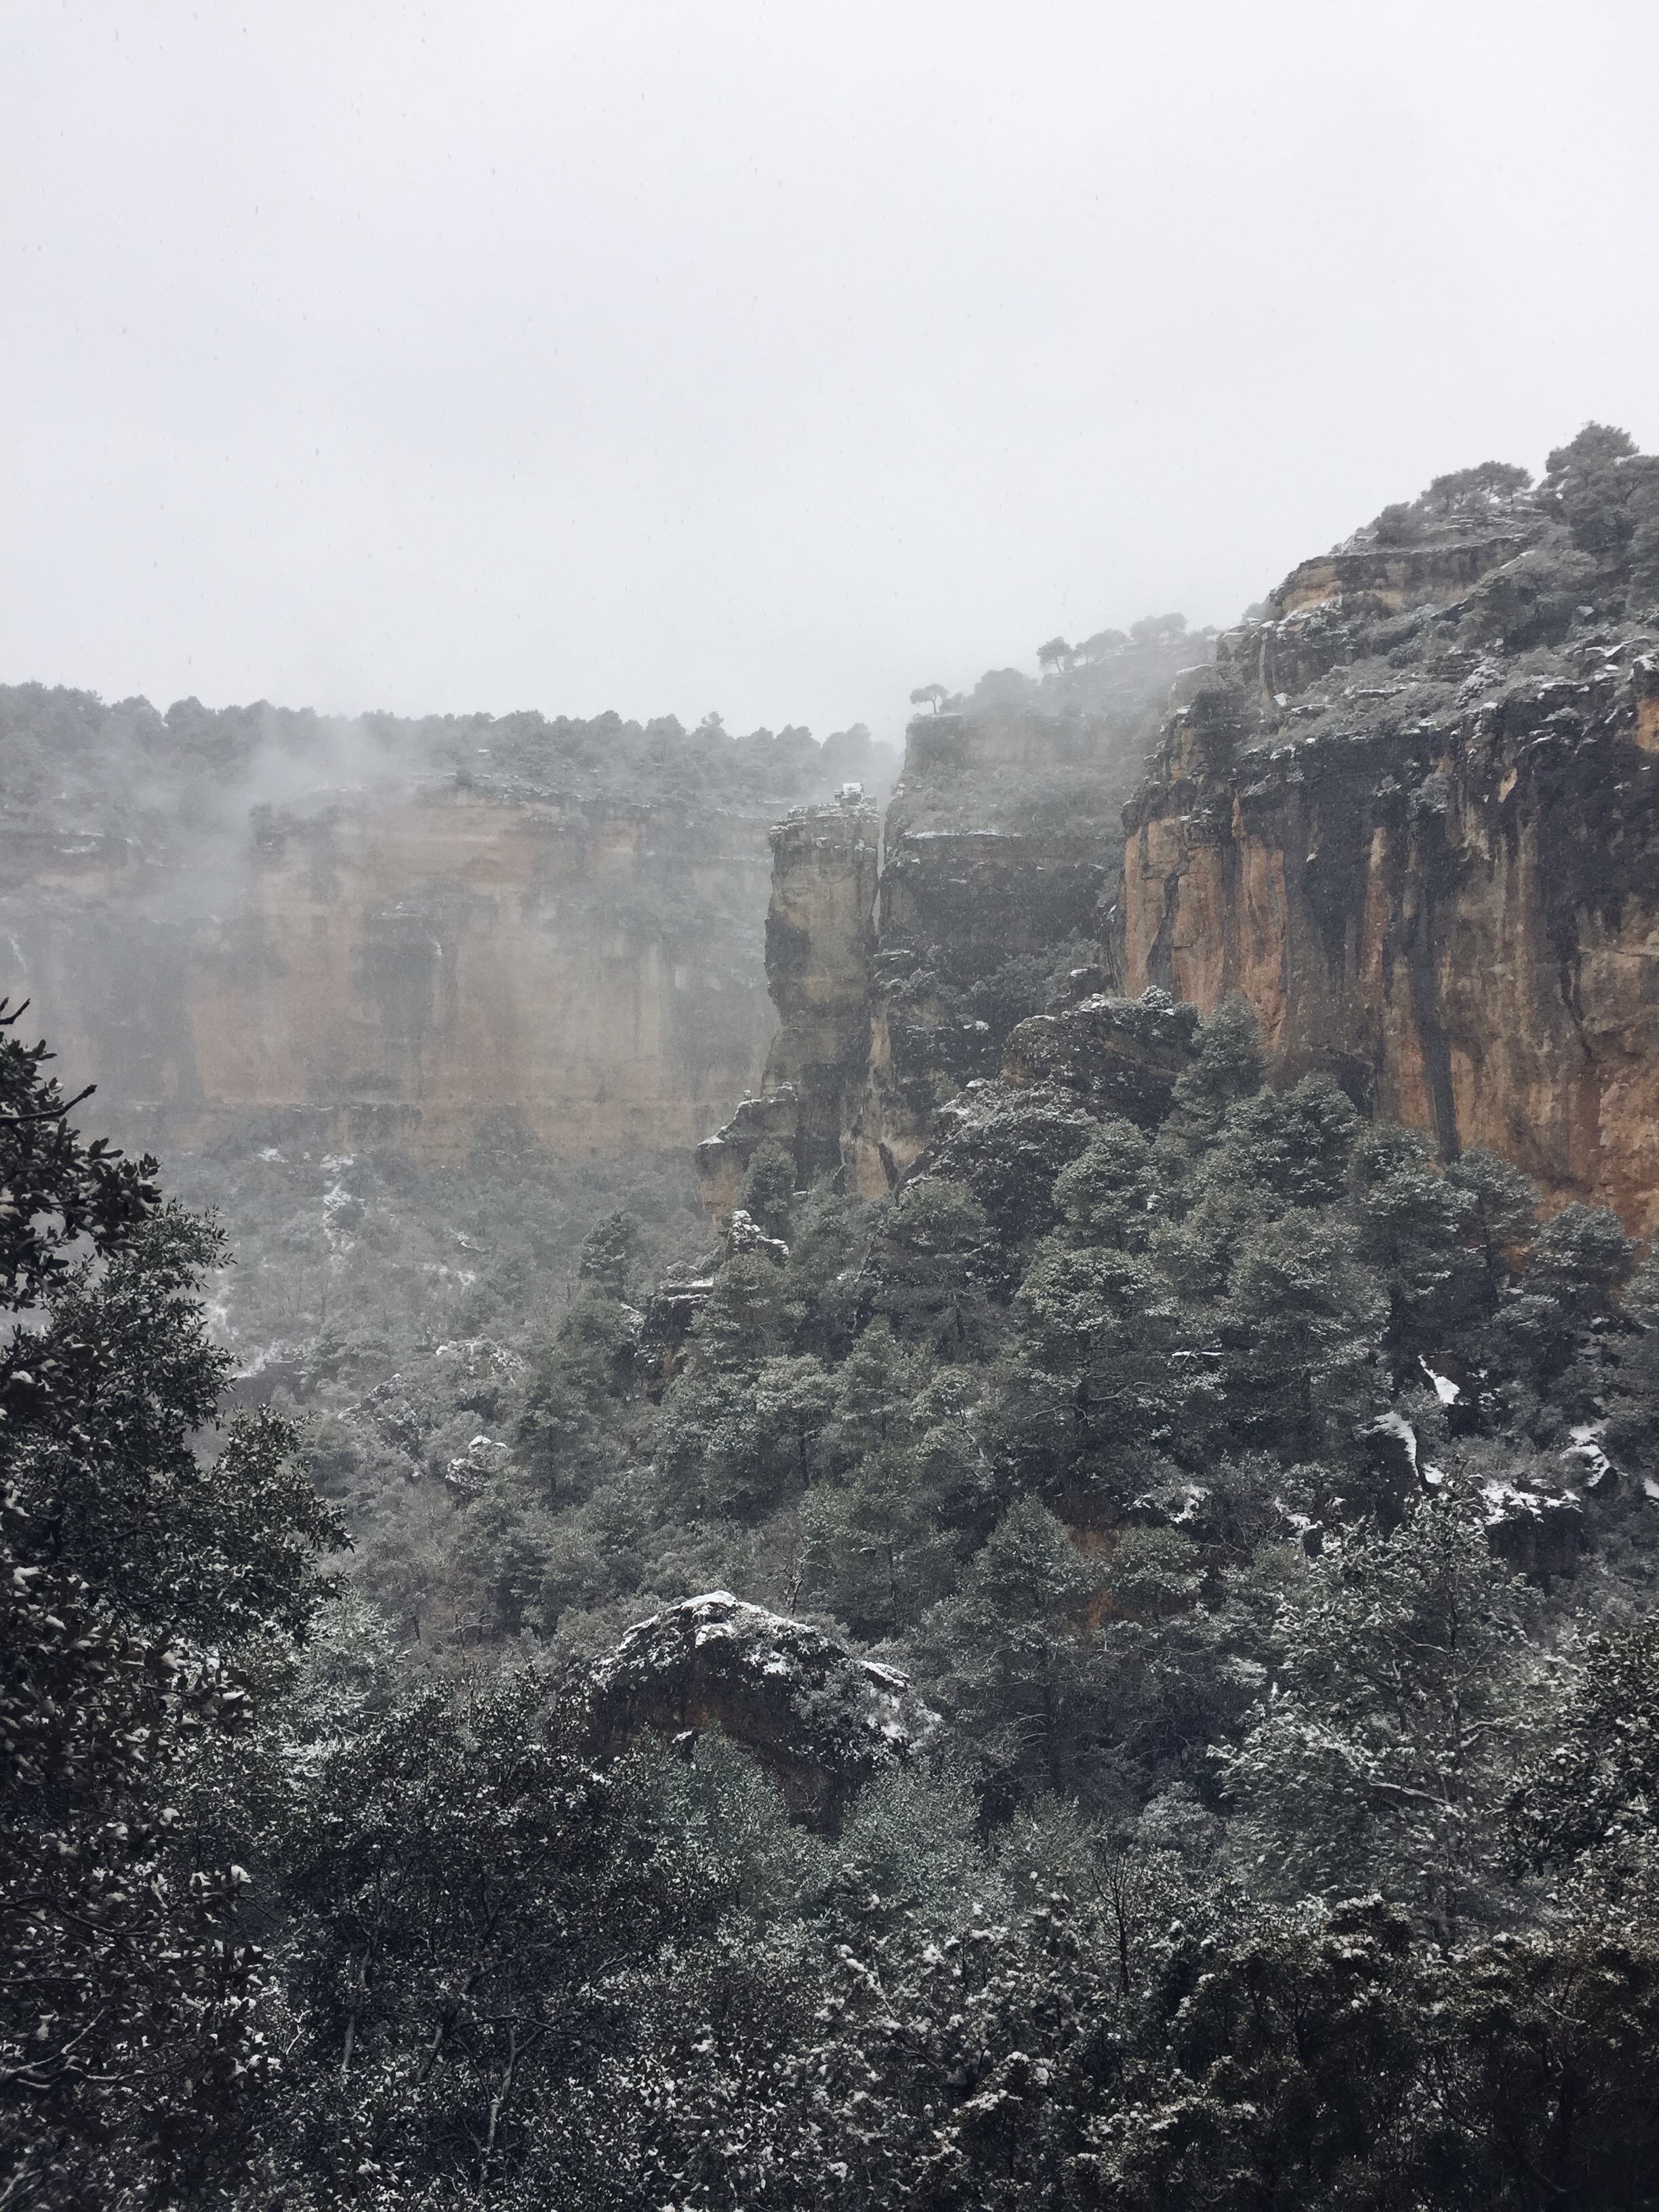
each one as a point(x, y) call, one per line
point(1257, 1510)
point(1122, 1675)
point(71, 764)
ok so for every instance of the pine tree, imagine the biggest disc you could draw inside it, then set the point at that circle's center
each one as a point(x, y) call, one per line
point(1399, 1697)
point(1011, 1656)
point(145, 1589)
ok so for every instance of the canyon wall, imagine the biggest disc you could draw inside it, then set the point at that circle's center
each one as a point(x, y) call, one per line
point(1427, 852)
point(1409, 810)
point(267, 927)
point(902, 955)
point(405, 969)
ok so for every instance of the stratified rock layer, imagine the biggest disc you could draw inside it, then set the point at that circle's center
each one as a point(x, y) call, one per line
point(1411, 813)
point(1432, 867)
point(411, 971)
point(900, 956)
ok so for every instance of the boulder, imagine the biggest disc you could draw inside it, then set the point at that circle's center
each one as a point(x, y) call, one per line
point(1116, 1055)
point(822, 1721)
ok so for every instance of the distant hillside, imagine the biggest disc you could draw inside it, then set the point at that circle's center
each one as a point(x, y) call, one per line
point(385, 930)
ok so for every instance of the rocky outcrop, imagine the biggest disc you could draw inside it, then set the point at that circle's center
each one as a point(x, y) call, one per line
point(664, 1331)
point(899, 963)
point(970, 921)
point(821, 1722)
point(1539, 1534)
point(1430, 862)
point(820, 936)
point(1410, 811)
point(1120, 1056)
point(723, 1159)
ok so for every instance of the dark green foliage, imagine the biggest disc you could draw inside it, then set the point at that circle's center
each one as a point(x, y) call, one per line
point(1111, 1326)
point(462, 1888)
point(1594, 1790)
point(1008, 1149)
point(143, 1588)
point(930, 1263)
point(1463, 496)
point(1005, 1655)
point(1397, 1696)
point(1229, 1069)
point(1488, 479)
point(1502, 1206)
point(609, 1250)
point(567, 1430)
point(1581, 1256)
point(1294, 1149)
point(1213, 1880)
point(110, 764)
point(768, 1188)
point(1415, 1225)
point(1109, 1194)
point(57, 1188)
point(1582, 479)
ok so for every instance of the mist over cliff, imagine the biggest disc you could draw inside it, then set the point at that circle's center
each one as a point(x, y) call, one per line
point(255, 921)
point(1083, 1631)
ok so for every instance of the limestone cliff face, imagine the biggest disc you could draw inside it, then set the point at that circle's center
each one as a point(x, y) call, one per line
point(820, 937)
point(895, 990)
point(1411, 811)
point(433, 931)
point(410, 969)
point(1430, 861)
point(901, 956)
point(968, 919)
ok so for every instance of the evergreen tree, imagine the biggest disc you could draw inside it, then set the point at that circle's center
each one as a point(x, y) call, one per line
point(1503, 1204)
point(1110, 1194)
point(1230, 1066)
point(1399, 1700)
point(768, 1188)
point(1011, 1656)
point(1414, 1223)
point(1301, 1321)
point(927, 1266)
point(145, 1589)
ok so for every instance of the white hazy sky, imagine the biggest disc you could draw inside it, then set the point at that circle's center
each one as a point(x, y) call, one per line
point(772, 358)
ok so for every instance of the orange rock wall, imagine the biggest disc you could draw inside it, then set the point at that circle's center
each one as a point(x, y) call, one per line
point(411, 969)
point(1468, 937)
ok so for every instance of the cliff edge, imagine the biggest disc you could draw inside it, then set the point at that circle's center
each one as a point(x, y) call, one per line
point(1413, 815)
point(1408, 809)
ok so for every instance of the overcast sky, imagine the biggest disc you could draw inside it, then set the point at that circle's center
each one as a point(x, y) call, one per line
point(769, 359)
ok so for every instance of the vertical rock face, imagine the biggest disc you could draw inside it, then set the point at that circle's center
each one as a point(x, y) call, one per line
point(820, 937)
point(901, 959)
point(1409, 812)
point(261, 924)
point(970, 922)
point(1413, 817)
point(403, 970)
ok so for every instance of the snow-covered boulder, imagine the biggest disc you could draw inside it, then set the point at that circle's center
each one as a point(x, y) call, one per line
point(823, 1720)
